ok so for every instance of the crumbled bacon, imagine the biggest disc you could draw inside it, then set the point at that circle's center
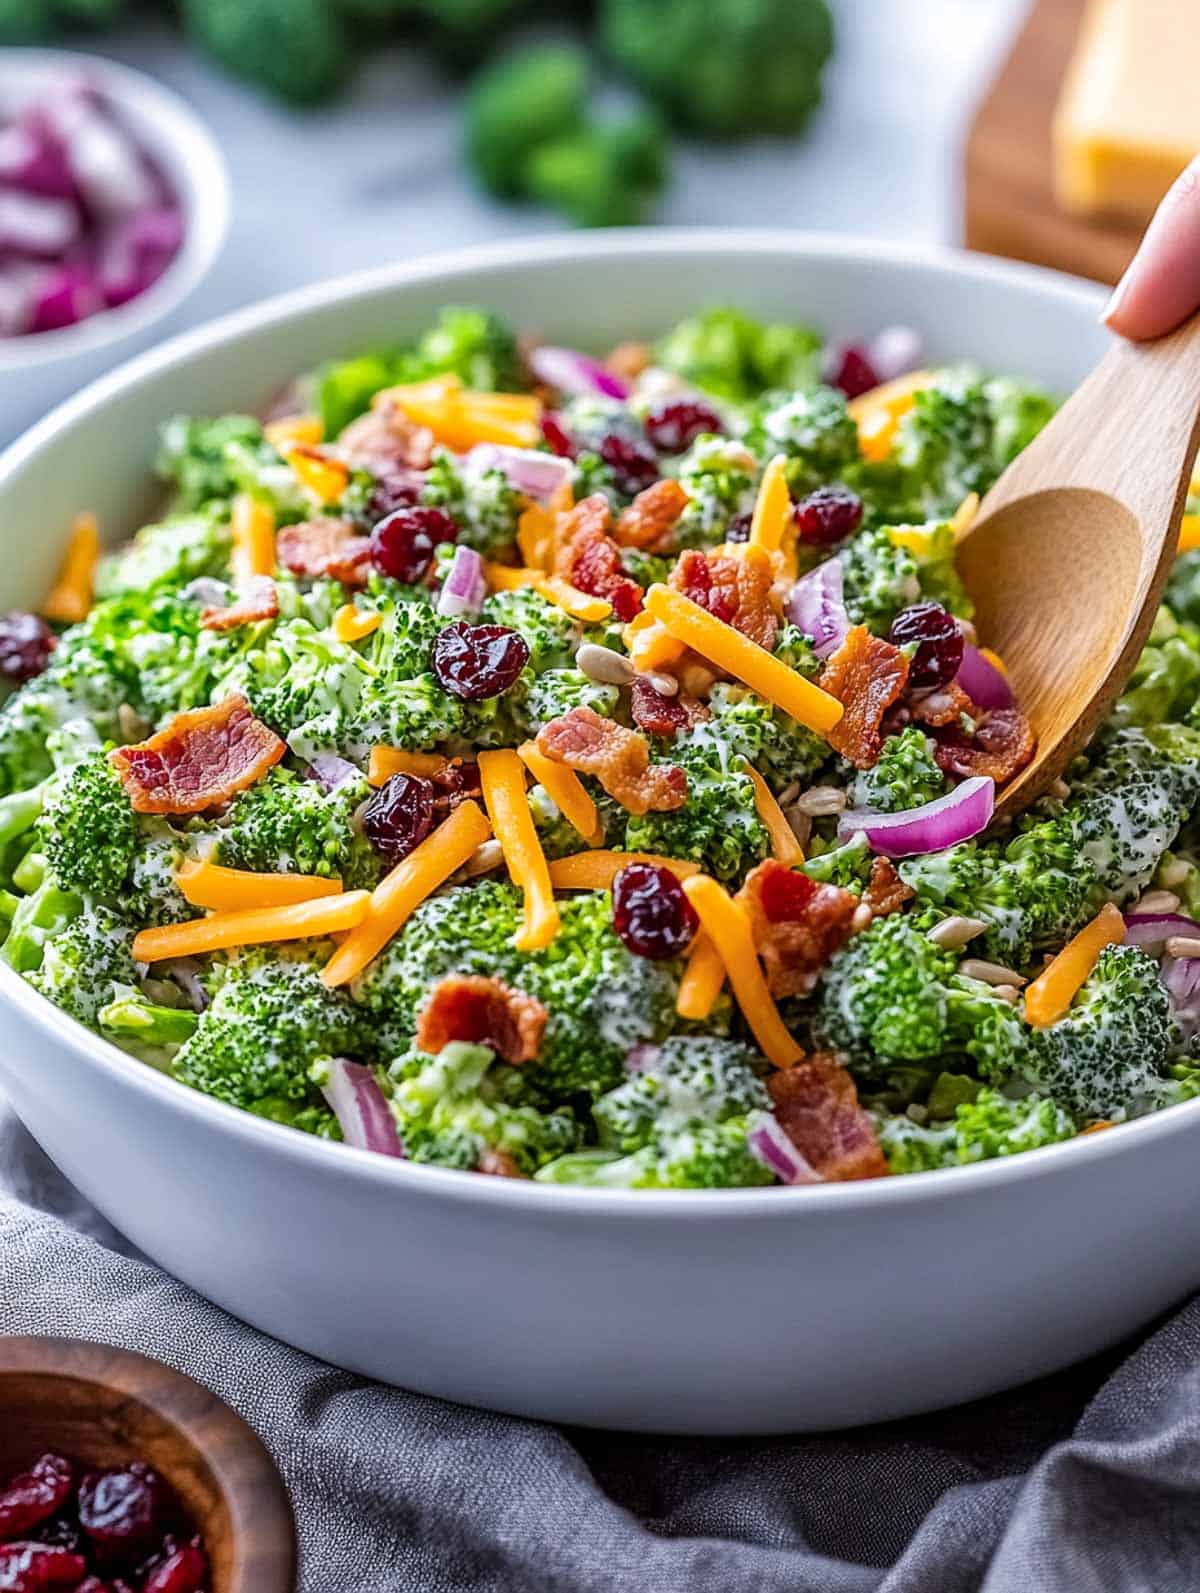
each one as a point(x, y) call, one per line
point(945, 706)
point(325, 547)
point(628, 360)
point(650, 518)
point(199, 760)
point(886, 892)
point(735, 588)
point(619, 759)
point(664, 716)
point(590, 560)
point(816, 1104)
point(498, 1163)
point(866, 675)
point(481, 1011)
point(1001, 744)
point(258, 600)
point(385, 437)
point(797, 924)
point(458, 782)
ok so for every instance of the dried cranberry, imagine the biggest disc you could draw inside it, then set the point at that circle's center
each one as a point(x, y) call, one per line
point(37, 1568)
point(651, 914)
point(396, 487)
point(674, 424)
point(402, 543)
point(853, 371)
point(26, 643)
point(557, 437)
point(35, 1495)
point(739, 527)
point(183, 1569)
point(633, 463)
point(122, 1508)
point(399, 816)
point(939, 644)
point(828, 515)
point(477, 661)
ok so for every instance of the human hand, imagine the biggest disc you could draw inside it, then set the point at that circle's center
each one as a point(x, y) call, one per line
point(1161, 288)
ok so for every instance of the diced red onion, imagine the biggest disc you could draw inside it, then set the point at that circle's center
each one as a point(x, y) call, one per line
point(107, 166)
point(36, 227)
point(529, 471)
point(895, 351)
point(206, 590)
point(575, 373)
point(33, 159)
point(329, 771)
point(133, 254)
point(19, 287)
point(1181, 977)
point(1155, 929)
point(816, 606)
point(768, 1144)
point(361, 1108)
point(66, 295)
point(465, 586)
point(642, 1058)
point(947, 820)
point(982, 681)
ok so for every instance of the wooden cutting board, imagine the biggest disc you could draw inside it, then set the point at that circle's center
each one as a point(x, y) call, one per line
point(1010, 206)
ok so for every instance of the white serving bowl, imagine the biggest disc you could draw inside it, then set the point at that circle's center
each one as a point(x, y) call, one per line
point(39, 370)
point(740, 1311)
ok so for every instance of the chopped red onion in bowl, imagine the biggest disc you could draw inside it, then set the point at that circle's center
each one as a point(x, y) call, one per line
point(574, 373)
point(1181, 977)
point(465, 586)
point(360, 1107)
point(330, 772)
point(1153, 930)
point(768, 1143)
point(817, 607)
point(982, 681)
point(528, 469)
point(947, 820)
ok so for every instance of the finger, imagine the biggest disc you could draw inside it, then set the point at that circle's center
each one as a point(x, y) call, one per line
point(1161, 288)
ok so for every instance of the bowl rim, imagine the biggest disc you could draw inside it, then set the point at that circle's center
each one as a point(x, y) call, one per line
point(596, 1204)
point(247, 1478)
point(177, 130)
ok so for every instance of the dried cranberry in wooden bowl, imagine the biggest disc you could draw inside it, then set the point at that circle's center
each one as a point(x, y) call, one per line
point(107, 1409)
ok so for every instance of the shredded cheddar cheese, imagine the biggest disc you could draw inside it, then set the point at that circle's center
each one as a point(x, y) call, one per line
point(702, 980)
point(70, 598)
point(1189, 533)
point(387, 761)
point(352, 624)
point(784, 845)
point(566, 790)
point(753, 665)
point(511, 577)
point(294, 429)
point(728, 927)
point(964, 516)
point(252, 524)
point(878, 413)
point(231, 889)
point(595, 871)
point(460, 418)
point(579, 605)
point(253, 926)
point(325, 478)
point(1054, 989)
point(994, 659)
point(502, 776)
point(650, 644)
point(772, 507)
point(401, 892)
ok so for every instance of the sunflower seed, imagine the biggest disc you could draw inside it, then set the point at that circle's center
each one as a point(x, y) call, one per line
point(863, 918)
point(1157, 902)
point(956, 931)
point(486, 856)
point(1008, 993)
point(799, 823)
point(602, 664)
point(1183, 946)
point(990, 973)
point(821, 801)
point(1060, 789)
point(665, 685)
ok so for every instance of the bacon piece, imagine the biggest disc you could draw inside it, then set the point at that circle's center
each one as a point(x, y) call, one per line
point(664, 716)
point(797, 924)
point(482, 1011)
point(735, 588)
point(199, 760)
point(589, 559)
point(619, 758)
point(886, 892)
point(258, 600)
point(650, 518)
point(498, 1163)
point(384, 438)
point(325, 547)
point(628, 360)
point(866, 675)
point(816, 1103)
point(946, 706)
point(1002, 743)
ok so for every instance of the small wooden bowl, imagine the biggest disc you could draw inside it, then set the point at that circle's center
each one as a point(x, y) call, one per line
point(103, 1406)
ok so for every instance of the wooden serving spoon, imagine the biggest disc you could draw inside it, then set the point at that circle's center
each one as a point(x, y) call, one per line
point(1069, 555)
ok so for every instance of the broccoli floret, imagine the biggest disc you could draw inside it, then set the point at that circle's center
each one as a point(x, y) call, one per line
point(480, 502)
point(601, 999)
point(886, 568)
point(744, 725)
point(308, 1117)
point(718, 827)
point(519, 104)
point(688, 1081)
point(298, 49)
point(709, 1156)
point(132, 1020)
point(729, 68)
point(269, 1020)
point(452, 1108)
point(89, 831)
point(208, 461)
point(720, 478)
point(172, 553)
point(1165, 683)
point(813, 429)
point(550, 695)
point(553, 636)
point(991, 1125)
point(19, 814)
point(848, 865)
point(1128, 808)
point(83, 961)
point(307, 686)
point(1113, 1043)
point(604, 174)
point(288, 825)
point(905, 776)
point(727, 353)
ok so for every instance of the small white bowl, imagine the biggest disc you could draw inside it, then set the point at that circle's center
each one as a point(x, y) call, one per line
point(38, 370)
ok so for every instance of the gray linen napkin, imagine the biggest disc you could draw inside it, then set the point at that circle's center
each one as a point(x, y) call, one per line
point(1088, 1481)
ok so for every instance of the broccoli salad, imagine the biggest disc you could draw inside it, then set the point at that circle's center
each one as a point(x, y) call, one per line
point(583, 769)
